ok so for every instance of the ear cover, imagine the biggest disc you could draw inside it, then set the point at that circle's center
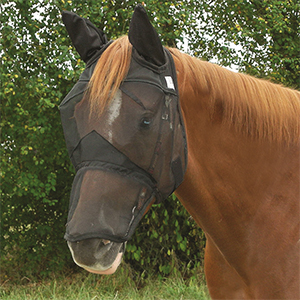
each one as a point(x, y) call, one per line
point(86, 38)
point(144, 37)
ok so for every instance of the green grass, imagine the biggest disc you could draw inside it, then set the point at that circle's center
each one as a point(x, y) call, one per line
point(85, 286)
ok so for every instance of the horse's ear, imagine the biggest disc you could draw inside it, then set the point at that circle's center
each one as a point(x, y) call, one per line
point(86, 38)
point(144, 38)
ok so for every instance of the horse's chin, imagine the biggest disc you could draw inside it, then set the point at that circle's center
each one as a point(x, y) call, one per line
point(111, 270)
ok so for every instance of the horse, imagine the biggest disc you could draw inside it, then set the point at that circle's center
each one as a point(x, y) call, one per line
point(145, 120)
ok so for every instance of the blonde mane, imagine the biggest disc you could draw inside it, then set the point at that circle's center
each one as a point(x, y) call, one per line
point(257, 107)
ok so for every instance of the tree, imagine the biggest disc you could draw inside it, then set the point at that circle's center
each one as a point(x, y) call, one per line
point(35, 172)
point(262, 38)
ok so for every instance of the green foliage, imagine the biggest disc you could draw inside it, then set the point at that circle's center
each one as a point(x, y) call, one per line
point(262, 38)
point(35, 173)
point(38, 68)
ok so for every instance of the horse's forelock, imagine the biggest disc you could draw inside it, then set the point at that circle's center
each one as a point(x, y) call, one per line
point(111, 69)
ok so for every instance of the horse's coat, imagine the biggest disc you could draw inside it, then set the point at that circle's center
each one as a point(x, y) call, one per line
point(242, 179)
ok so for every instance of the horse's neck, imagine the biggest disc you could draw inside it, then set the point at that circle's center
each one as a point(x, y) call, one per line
point(233, 180)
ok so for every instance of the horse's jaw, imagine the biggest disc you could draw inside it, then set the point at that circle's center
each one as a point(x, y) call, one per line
point(97, 256)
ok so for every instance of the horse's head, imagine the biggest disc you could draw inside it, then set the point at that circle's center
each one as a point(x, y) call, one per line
point(130, 153)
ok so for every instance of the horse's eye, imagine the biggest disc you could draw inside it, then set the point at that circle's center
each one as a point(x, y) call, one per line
point(146, 122)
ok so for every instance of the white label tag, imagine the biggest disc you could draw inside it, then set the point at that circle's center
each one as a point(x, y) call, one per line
point(170, 83)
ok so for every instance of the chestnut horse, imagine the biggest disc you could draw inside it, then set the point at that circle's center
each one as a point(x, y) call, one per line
point(241, 185)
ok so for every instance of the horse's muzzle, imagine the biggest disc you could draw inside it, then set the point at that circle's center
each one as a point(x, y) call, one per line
point(97, 255)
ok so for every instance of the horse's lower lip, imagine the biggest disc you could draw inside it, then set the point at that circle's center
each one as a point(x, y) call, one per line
point(111, 269)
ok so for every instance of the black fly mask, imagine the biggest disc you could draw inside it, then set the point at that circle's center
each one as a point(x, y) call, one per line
point(136, 152)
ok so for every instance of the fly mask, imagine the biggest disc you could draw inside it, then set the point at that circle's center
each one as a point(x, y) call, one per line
point(122, 169)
